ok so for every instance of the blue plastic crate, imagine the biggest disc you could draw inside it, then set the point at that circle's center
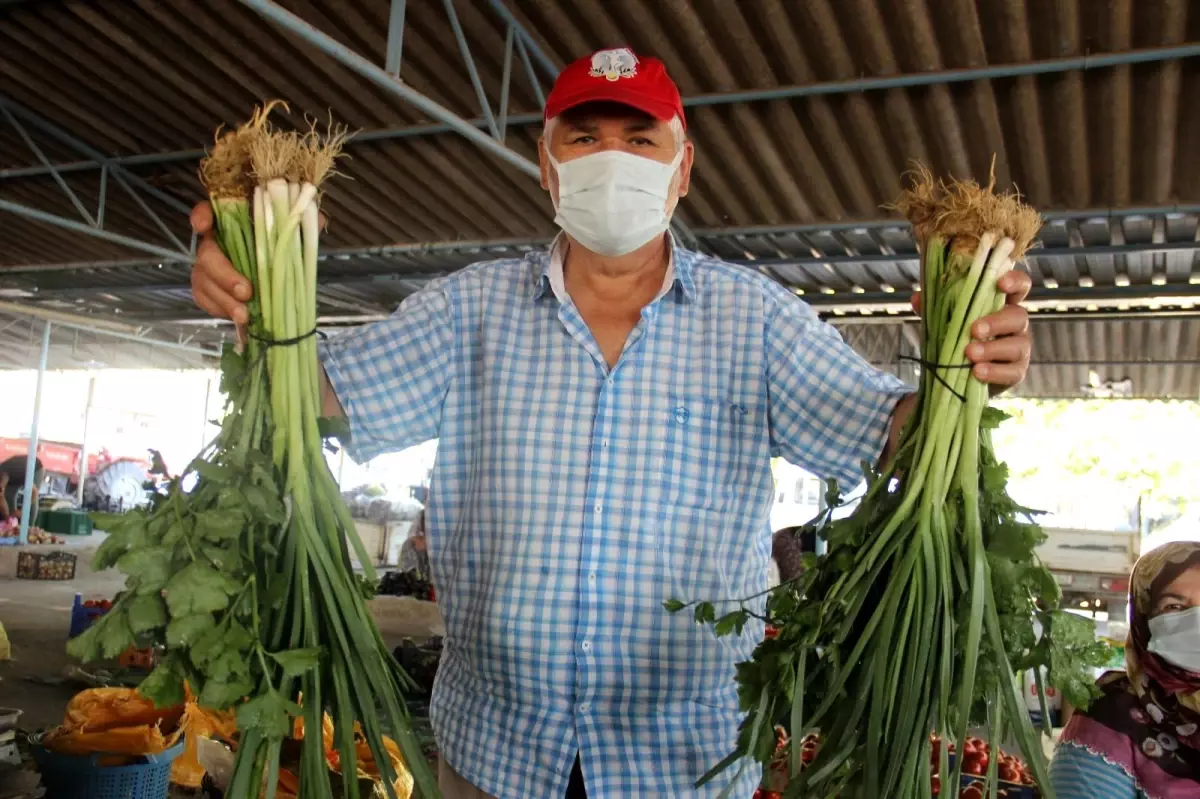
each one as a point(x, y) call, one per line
point(81, 617)
point(79, 776)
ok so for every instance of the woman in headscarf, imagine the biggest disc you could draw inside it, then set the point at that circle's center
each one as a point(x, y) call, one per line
point(1141, 738)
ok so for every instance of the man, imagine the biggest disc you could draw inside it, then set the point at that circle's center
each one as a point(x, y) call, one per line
point(606, 413)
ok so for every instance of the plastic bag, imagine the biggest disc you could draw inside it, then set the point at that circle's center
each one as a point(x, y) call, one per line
point(289, 784)
point(123, 724)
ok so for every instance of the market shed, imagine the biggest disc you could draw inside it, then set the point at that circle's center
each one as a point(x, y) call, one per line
point(804, 116)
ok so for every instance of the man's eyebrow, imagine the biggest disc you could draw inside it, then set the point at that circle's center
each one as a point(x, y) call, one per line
point(1170, 595)
point(582, 125)
point(640, 125)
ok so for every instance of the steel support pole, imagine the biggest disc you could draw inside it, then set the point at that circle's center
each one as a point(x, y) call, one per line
point(464, 50)
point(83, 444)
point(395, 40)
point(506, 81)
point(543, 59)
point(87, 230)
point(41, 157)
point(27, 515)
point(335, 49)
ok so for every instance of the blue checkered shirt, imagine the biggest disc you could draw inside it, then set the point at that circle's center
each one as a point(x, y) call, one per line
point(569, 500)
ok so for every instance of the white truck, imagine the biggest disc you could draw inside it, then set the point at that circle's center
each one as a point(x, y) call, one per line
point(1092, 566)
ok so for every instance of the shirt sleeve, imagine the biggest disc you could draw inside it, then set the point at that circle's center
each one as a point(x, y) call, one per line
point(829, 409)
point(392, 376)
point(1077, 773)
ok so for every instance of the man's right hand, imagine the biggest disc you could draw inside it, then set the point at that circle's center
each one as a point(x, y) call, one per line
point(216, 285)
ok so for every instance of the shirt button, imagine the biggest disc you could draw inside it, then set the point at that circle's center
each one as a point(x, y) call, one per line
point(592, 577)
point(587, 646)
point(599, 508)
point(585, 707)
point(604, 443)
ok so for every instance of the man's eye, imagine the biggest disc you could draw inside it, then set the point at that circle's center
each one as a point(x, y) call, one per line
point(642, 141)
point(582, 140)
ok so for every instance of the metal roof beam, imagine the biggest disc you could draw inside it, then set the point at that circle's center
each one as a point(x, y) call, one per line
point(456, 124)
point(88, 230)
point(367, 69)
point(99, 160)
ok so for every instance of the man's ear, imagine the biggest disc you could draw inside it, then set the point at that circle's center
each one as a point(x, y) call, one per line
point(685, 168)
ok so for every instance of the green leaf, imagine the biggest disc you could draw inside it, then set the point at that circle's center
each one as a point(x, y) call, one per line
point(264, 504)
point(116, 522)
point(1074, 652)
point(198, 589)
point(176, 532)
point(731, 622)
point(673, 605)
point(115, 634)
point(223, 650)
point(86, 645)
point(147, 612)
point(992, 418)
point(705, 614)
point(164, 685)
point(152, 567)
point(270, 715)
point(233, 369)
point(297, 661)
point(221, 524)
point(224, 558)
point(187, 630)
point(1015, 540)
point(109, 552)
point(219, 694)
point(212, 471)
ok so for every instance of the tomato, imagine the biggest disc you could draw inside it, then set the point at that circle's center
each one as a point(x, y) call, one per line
point(937, 785)
point(975, 764)
point(1009, 773)
point(973, 791)
point(772, 632)
point(763, 793)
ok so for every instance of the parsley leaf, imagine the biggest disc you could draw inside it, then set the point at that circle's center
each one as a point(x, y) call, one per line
point(147, 612)
point(114, 633)
point(270, 715)
point(151, 567)
point(220, 524)
point(220, 694)
point(164, 685)
point(184, 631)
point(297, 661)
point(1074, 651)
point(198, 589)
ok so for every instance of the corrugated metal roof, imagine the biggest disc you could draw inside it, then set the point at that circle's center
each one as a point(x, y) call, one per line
point(156, 76)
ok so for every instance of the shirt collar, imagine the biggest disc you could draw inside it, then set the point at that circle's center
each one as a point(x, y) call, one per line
point(550, 277)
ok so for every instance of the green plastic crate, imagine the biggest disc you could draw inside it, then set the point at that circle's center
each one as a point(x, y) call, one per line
point(65, 522)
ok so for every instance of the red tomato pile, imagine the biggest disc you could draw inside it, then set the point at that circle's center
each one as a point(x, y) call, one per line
point(102, 604)
point(976, 759)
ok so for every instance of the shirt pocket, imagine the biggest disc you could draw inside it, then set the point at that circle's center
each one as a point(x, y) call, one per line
point(708, 452)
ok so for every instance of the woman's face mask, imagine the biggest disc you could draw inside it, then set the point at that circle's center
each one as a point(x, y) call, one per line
point(613, 202)
point(1175, 637)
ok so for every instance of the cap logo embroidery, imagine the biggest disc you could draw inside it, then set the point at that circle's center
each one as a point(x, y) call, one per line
point(614, 64)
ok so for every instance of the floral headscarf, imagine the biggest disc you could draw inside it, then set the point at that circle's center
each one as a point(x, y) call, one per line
point(1148, 719)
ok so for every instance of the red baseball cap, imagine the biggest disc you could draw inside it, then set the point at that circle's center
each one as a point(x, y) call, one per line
point(617, 76)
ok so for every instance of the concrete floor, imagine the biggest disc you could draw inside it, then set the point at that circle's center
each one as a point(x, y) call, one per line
point(36, 616)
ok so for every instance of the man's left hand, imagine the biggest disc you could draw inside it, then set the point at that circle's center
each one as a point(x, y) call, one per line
point(1000, 346)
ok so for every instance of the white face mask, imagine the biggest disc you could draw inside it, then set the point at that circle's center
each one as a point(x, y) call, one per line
point(1175, 637)
point(613, 202)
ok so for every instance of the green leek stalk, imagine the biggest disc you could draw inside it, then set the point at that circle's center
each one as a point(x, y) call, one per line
point(896, 634)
